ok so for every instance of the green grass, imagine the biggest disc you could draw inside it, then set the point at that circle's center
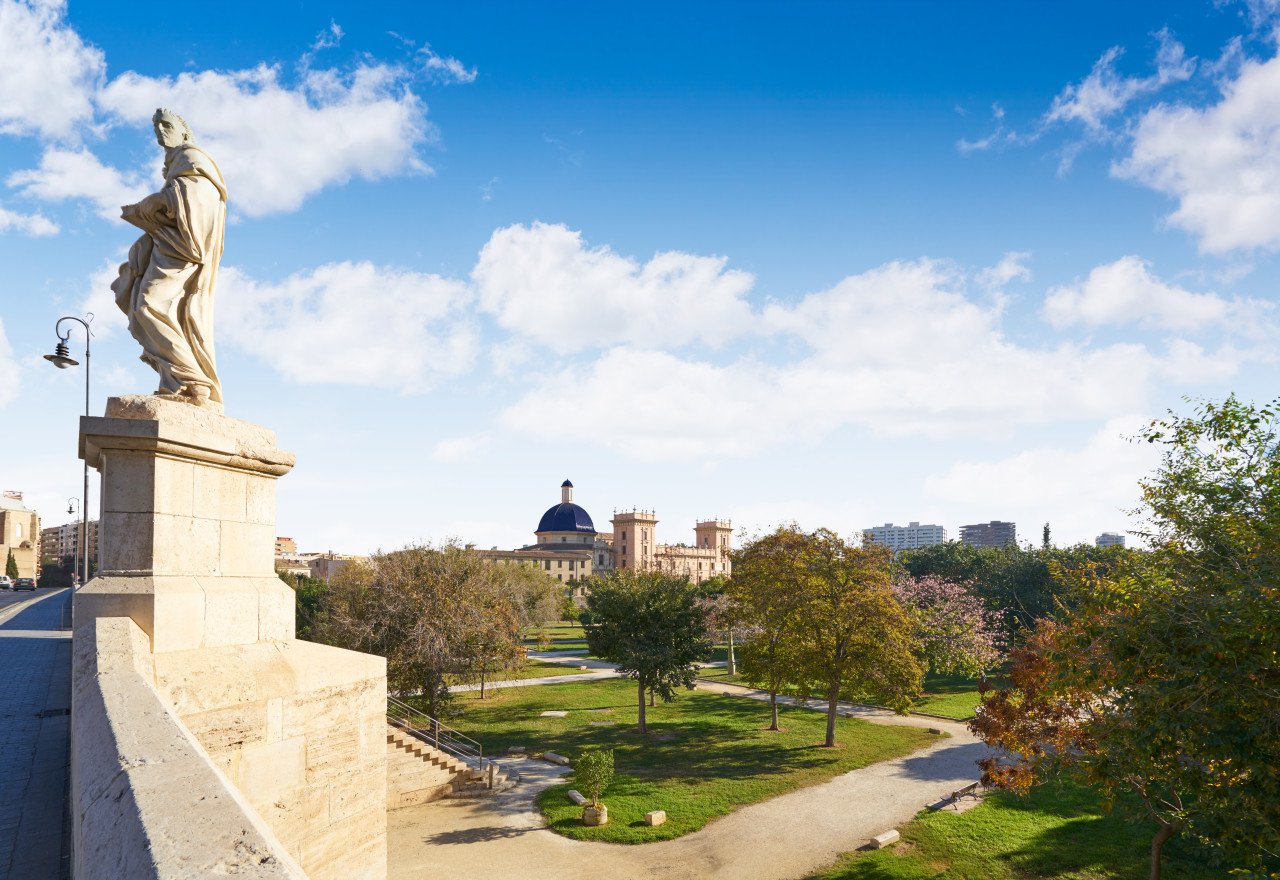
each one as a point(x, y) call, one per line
point(1059, 832)
point(704, 755)
point(951, 696)
point(561, 634)
point(530, 669)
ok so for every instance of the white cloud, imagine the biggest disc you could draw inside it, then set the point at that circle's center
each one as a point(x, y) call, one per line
point(1125, 291)
point(79, 174)
point(1082, 491)
point(278, 141)
point(31, 224)
point(1104, 92)
point(9, 383)
point(351, 324)
point(446, 69)
point(1221, 163)
point(544, 283)
point(1012, 267)
point(278, 144)
point(900, 349)
point(47, 73)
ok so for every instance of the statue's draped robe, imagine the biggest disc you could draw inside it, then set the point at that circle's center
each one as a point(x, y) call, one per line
point(167, 286)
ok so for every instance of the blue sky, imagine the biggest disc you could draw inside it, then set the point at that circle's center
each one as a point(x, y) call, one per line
point(840, 263)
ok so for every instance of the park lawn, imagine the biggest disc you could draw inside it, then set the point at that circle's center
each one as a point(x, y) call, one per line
point(1059, 831)
point(704, 756)
point(951, 696)
point(530, 669)
point(561, 634)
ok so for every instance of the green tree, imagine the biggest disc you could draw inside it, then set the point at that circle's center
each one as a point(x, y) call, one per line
point(1165, 680)
point(852, 636)
point(1018, 584)
point(428, 610)
point(11, 566)
point(651, 625)
point(765, 592)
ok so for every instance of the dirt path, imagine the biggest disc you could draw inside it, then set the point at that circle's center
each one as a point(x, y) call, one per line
point(789, 836)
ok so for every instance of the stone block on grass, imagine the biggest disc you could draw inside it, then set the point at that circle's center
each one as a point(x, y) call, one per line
point(577, 797)
point(656, 817)
point(888, 838)
point(556, 759)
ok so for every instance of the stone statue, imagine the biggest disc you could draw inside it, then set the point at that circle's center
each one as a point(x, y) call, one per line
point(166, 287)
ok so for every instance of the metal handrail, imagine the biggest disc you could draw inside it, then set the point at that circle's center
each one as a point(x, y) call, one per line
point(431, 731)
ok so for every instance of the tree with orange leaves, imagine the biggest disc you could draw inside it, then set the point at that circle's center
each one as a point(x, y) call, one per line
point(1165, 678)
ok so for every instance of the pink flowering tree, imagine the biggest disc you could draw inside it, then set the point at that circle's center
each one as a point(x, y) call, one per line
point(957, 635)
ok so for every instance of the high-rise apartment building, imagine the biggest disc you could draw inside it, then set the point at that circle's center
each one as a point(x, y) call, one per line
point(1109, 539)
point(993, 534)
point(59, 542)
point(907, 537)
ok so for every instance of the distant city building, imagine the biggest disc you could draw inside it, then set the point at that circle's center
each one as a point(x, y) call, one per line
point(325, 565)
point(1109, 539)
point(59, 542)
point(19, 534)
point(992, 534)
point(570, 549)
point(907, 537)
point(286, 547)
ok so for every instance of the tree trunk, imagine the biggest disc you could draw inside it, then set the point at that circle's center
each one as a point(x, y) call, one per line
point(773, 710)
point(482, 671)
point(642, 689)
point(833, 696)
point(732, 667)
point(651, 702)
point(1166, 831)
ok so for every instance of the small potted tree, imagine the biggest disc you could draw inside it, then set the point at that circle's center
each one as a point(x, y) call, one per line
point(593, 771)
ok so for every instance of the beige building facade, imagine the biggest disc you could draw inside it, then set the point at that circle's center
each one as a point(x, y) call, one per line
point(569, 548)
point(19, 535)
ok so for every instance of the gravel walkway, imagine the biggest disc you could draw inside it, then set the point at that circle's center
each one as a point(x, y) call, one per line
point(789, 836)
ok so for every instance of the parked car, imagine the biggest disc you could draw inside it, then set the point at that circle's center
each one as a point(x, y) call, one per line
point(24, 584)
point(5, 583)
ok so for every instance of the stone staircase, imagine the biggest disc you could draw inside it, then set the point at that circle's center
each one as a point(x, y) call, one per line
point(418, 773)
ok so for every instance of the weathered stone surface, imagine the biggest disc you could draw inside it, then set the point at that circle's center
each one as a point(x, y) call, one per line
point(554, 713)
point(577, 797)
point(888, 838)
point(555, 759)
point(655, 817)
point(593, 816)
point(515, 750)
point(147, 802)
point(293, 730)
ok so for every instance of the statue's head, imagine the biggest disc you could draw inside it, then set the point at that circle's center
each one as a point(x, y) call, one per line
point(171, 129)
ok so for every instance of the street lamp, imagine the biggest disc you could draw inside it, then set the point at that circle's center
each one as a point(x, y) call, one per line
point(72, 506)
point(61, 359)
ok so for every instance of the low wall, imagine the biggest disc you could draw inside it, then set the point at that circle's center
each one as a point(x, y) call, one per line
point(147, 802)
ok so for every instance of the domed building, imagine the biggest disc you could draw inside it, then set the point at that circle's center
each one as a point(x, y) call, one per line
point(570, 549)
point(566, 522)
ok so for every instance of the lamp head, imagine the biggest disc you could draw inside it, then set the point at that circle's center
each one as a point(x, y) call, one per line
point(61, 357)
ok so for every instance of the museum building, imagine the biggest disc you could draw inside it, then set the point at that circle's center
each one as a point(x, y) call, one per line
point(569, 548)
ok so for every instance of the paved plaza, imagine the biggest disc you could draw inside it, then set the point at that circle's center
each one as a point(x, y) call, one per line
point(35, 716)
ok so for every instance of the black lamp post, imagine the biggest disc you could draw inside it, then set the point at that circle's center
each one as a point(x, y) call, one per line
point(72, 505)
point(62, 360)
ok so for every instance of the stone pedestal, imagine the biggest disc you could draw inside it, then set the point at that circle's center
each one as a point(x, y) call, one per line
point(186, 539)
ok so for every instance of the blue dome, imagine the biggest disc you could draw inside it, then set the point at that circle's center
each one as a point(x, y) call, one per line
point(566, 517)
